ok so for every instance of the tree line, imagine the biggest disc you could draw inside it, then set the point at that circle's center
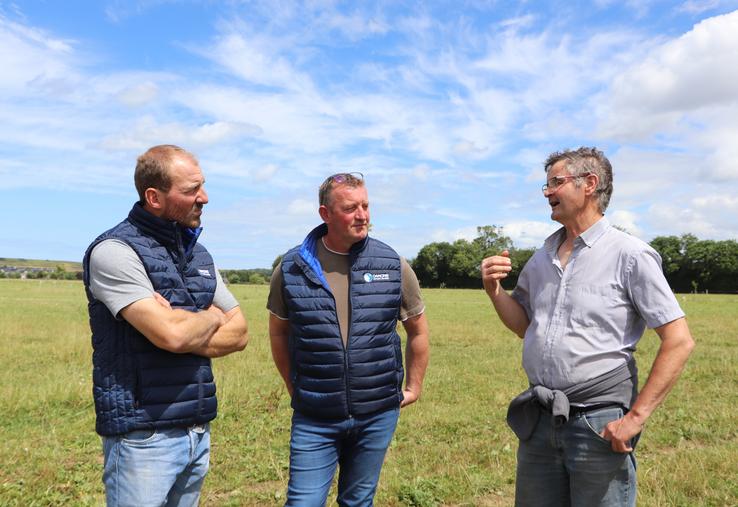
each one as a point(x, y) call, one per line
point(689, 264)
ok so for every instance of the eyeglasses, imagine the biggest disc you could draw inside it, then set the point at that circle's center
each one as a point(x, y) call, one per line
point(346, 177)
point(554, 183)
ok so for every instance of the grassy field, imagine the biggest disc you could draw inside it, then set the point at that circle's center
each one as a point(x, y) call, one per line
point(451, 448)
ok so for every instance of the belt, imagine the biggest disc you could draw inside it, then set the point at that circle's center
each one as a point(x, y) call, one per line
point(590, 408)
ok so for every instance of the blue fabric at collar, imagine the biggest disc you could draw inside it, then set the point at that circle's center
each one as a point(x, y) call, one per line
point(309, 250)
point(190, 235)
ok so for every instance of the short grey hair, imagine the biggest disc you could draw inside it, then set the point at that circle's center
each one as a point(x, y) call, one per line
point(352, 180)
point(584, 161)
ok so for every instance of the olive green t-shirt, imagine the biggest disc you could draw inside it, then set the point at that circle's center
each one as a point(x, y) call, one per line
point(336, 269)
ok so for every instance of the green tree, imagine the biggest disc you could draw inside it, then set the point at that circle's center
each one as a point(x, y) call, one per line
point(672, 256)
point(691, 264)
point(458, 264)
point(256, 279)
point(431, 265)
point(491, 241)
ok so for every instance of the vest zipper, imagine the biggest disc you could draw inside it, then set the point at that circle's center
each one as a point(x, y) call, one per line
point(181, 262)
point(348, 339)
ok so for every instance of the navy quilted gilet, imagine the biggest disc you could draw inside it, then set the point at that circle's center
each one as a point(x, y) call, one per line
point(331, 380)
point(137, 385)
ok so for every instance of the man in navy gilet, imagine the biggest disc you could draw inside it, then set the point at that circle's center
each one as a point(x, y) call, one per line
point(159, 311)
point(335, 301)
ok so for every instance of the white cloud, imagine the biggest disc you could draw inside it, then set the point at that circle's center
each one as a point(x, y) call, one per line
point(139, 95)
point(302, 207)
point(421, 172)
point(266, 172)
point(451, 235)
point(698, 6)
point(147, 131)
point(255, 58)
point(707, 217)
point(33, 58)
point(667, 92)
point(628, 220)
point(453, 213)
point(529, 233)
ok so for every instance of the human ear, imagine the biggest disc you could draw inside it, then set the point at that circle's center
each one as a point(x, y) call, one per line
point(152, 197)
point(324, 213)
point(591, 184)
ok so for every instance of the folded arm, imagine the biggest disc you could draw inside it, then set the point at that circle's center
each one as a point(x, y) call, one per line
point(178, 331)
point(232, 336)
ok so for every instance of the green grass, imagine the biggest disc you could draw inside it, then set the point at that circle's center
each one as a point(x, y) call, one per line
point(451, 448)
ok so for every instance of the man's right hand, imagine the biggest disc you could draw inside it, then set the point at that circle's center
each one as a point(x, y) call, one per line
point(494, 269)
point(220, 314)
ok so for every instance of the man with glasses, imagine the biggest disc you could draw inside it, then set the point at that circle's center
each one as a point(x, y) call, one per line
point(334, 305)
point(581, 304)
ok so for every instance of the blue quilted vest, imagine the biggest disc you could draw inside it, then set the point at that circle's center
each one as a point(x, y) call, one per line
point(333, 381)
point(137, 385)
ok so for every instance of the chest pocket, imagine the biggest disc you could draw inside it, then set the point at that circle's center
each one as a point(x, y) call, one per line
point(590, 303)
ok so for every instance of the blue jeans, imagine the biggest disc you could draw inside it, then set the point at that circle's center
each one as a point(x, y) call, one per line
point(357, 445)
point(571, 465)
point(156, 467)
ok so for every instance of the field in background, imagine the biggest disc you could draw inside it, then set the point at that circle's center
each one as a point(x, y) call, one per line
point(451, 448)
point(45, 264)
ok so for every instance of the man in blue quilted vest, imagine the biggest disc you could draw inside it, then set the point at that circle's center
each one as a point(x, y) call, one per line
point(334, 305)
point(159, 311)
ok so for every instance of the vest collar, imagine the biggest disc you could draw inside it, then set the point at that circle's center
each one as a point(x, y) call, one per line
point(309, 253)
point(166, 232)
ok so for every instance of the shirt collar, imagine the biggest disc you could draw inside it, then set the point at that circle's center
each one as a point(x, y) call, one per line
point(595, 232)
point(553, 241)
point(588, 237)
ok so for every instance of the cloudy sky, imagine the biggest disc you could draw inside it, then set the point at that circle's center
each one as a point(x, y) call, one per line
point(447, 107)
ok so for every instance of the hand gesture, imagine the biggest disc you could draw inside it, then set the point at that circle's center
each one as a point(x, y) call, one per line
point(494, 269)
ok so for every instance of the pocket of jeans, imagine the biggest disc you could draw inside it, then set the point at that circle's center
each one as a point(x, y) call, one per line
point(598, 419)
point(140, 437)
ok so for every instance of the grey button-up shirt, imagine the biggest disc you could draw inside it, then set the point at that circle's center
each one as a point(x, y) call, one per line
point(586, 320)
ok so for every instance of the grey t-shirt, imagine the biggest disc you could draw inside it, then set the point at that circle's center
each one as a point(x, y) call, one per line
point(118, 278)
point(336, 271)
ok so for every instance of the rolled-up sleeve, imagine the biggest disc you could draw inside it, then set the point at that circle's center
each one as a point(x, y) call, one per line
point(649, 291)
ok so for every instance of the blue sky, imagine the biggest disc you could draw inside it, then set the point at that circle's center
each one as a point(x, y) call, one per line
point(448, 108)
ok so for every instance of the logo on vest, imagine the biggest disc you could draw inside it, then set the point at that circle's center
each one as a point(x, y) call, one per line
point(369, 277)
point(205, 273)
